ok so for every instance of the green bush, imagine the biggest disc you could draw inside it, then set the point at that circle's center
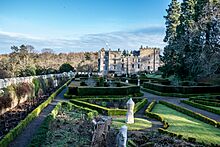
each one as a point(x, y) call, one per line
point(18, 129)
point(209, 103)
point(37, 85)
point(200, 106)
point(89, 91)
point(100, 109)
point(66, 67)
point(140, 104)
point(181, 89)
point(192, 114)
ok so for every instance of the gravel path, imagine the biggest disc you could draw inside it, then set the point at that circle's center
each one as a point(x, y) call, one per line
point(23, 139)
point(176, 101)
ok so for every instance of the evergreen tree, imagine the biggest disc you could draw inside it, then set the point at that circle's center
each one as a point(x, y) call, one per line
point(172, 21)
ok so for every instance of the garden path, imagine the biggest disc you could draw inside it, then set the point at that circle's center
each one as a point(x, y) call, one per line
point(176, 101)
point(27, 134)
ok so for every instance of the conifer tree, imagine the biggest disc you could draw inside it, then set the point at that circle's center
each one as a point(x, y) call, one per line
point(172, 21)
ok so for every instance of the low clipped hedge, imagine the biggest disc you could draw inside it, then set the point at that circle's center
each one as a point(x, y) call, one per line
point(201, 106)
point(100, 109)
point(154, 115)
point(209, 103)
point(90, 91)
point(169, 94)
point(108, 111)
point(12, 134)
point(182, 89)
point(165, 123)
point(140, 105)
point(42, 132)
point(192, 114)
point(66, 95)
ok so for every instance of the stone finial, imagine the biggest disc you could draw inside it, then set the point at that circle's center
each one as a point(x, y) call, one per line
point(122, 137)
point(130, 112)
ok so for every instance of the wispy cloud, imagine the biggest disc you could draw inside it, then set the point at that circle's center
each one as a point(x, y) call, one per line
point(151, 36)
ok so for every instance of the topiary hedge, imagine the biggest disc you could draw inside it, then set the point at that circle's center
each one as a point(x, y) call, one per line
point(108, 111)
point(89, 91)
point(18, 129)
point(192, 114)
point(208, 103)
point(140, 104)
point(200, 106)
point(181, 89)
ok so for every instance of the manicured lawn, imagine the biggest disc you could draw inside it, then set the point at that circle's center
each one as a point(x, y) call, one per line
point(188, 126)
point(139, 124)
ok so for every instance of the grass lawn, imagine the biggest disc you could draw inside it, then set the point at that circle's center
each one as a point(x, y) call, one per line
point(139, 124)
point(188, 126)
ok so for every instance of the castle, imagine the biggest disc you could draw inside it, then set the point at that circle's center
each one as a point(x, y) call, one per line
point(118, 62)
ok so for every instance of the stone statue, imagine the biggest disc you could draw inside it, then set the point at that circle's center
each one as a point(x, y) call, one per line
point(126, 81)
point(121, 139)
point(130, 113)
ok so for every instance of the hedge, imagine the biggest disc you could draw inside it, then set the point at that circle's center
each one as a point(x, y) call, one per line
point(100, 109)
point(12, 134)
point(181, 89)
point(168, 94)
point(40, 136)
point(192, 114)
point(66, 95)
point(108, 111)
point(201, 106)
point(154, 115)
point(89, 91)
point(209, 102)
point(165, 123)
point(140, 104)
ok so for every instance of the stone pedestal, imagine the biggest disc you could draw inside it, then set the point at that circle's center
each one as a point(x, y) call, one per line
point(130, 112)
point(121, 139)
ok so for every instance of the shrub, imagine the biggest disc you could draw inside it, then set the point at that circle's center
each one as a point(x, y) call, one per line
point(23, 89)
point(66, 67)
point(200, 106)
point(37, 85)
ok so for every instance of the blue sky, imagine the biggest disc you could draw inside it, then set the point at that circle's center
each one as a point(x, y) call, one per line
point(82, 25)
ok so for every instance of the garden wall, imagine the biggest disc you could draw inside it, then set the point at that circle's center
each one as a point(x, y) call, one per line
point(31, 89)
point(182, 89)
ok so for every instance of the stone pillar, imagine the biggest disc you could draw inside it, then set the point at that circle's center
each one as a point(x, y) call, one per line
point(138, 82)
point(130, 113)
point(121, 139)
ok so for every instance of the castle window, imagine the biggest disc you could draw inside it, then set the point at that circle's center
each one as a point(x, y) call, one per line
point(114, 66)
point(148, 55)
point(138, 65)
point(132, 65)
point(139, 60)
point(115, 55)
point(122, 60)
point(114, 61)
point(148, 67)
point(122, 65)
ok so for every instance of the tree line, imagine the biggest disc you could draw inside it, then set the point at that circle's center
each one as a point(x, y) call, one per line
point(25, 61)
point(193, 40)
